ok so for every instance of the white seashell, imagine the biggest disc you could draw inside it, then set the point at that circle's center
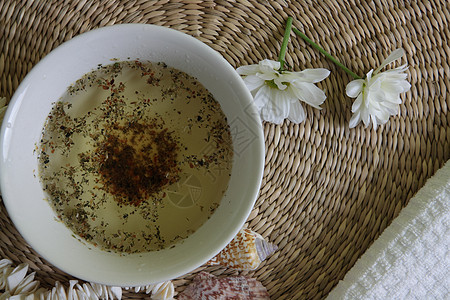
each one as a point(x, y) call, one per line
point(47, 295)
point(17, 285)
point(4, 263)
point(71, 294)
point(40, 294)
point(90, 292)
point(28, 285)
point(97, 288)
point(82, 295)
point(116, 292)
point(163, 291)
point(60, 292)
point(264, 248)
point(52, 295)
point(29, 297)
point(245, 252)
point(15, 277)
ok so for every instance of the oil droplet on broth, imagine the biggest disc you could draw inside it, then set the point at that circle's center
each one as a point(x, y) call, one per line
point(135, 157)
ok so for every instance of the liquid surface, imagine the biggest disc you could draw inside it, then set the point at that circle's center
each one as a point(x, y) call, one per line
point(135, 156)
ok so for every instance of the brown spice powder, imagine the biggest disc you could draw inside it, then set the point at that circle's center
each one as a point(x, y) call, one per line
point(137, 161)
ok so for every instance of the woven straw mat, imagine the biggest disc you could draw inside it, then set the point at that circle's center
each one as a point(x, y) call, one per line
point(328, 191)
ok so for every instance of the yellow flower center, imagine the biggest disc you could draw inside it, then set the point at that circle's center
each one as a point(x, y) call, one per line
point(272, 84)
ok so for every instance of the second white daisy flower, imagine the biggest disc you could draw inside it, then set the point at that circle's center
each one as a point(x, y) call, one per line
point(378, 94)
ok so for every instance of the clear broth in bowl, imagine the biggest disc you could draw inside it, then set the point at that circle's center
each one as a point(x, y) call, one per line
point(135, 157)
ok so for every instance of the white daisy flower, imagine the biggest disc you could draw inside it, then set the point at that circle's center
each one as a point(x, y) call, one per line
point(277, 94)
point(378, 95)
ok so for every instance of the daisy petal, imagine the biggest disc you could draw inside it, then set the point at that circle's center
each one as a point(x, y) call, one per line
point(308, 75)
point(268, 75)
point(396, 54)
point(357, 104)
point(280, 83)
point(355, 119)
point(308, 93)
point(398, 70)
point(277, 108)
point(354, 88)
point(270, 116)
point(314, 75)
point(248, 70)
point(296, 112)
point(283, 100)
point(253, 82)
point(269, 64)
point(365, 117)
point(374, 122)
point(262, 97)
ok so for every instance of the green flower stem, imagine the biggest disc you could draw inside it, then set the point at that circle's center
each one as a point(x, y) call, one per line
point(287, 33)
point(321, 50)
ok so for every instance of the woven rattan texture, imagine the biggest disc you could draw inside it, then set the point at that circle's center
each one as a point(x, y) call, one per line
point(328, 191)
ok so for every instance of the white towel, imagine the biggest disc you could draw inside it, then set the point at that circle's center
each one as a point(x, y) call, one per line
point(410, 259)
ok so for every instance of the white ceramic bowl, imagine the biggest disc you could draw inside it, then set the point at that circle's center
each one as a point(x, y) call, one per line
point(49, 79)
